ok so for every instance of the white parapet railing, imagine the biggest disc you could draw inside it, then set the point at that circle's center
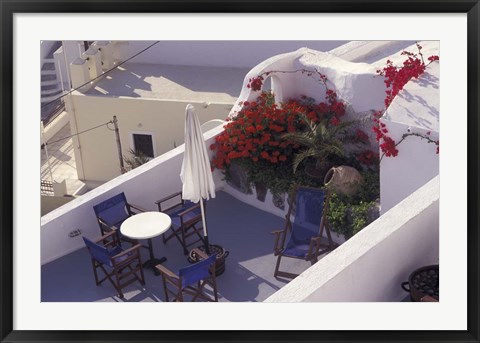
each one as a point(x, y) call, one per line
point(371, 265)
point(142, 186)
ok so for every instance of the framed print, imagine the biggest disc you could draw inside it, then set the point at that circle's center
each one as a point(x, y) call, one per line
point(338, 204)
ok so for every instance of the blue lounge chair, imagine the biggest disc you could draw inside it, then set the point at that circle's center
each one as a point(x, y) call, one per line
point(302, 237)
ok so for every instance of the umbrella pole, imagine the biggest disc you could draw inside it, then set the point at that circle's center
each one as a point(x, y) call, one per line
point(205, 234)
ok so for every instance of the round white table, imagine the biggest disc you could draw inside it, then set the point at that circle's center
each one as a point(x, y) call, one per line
point(146, 225)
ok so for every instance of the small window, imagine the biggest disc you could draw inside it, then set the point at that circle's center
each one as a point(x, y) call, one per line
point(143, 143)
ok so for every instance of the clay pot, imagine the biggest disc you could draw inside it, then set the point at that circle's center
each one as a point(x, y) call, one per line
point(344, 179)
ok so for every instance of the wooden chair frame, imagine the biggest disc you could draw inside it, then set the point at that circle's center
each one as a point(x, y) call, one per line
point(122, 273)
point(316, 243)
point(188, 227)
point(171, 280)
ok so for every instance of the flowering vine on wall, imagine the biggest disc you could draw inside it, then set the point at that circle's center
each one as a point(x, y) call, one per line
point(395, 79)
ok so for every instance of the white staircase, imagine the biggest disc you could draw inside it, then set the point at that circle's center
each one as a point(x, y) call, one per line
point(51, 87)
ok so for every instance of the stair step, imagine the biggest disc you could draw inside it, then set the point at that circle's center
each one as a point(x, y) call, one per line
point(49, 77)
point(54, 48)
point(50, 87)
point(50, 92)
point(49, 98)
point(48, 66)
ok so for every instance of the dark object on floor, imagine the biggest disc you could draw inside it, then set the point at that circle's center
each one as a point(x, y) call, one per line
point(423, 284)
point(190, 280)
point(214, 249)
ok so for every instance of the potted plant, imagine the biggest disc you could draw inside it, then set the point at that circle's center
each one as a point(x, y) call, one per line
point(322, 142)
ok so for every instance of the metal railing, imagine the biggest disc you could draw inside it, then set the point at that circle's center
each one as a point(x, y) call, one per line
point(46, 187)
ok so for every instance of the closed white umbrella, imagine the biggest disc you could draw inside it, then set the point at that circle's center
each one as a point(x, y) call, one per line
point(196, 173)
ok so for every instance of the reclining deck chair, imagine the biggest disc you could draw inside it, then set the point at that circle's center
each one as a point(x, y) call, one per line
point(302, 237)
point(191, 280)
point(186, 220)
point(120, 267)
point(111, 213)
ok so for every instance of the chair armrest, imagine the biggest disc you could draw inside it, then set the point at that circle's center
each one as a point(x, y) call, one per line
point(104, 240)
point(278, 234)
point(129, 250)
point(104, 223)
point(105, 236)
point(167, 272)
point(188, 210)
point(138, 208)
point(135, 249)
point(171, 196)
point(314, 241)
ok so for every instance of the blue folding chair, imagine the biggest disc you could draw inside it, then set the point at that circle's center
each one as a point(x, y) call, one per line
point(191, 280)
point(112, 212)
point(121, 267)
point(302, 237)
point(186, 220)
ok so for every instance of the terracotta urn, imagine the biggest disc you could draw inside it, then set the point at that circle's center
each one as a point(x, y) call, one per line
point(343, 179)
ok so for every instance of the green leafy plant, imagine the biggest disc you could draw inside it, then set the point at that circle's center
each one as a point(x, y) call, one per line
point(320, 141)
point(349, 215)
point(136, 159)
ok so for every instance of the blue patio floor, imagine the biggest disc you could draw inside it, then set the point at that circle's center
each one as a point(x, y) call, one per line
point(241, 229)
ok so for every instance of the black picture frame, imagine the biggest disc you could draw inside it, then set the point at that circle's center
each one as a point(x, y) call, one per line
point(10, 7)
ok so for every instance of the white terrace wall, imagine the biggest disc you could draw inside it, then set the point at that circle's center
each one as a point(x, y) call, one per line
point(237, 54)
point(96, 151)
point(142, 186)
point(371, 265)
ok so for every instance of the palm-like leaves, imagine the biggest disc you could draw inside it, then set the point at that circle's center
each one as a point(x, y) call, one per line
point(320, 140)
point(137, 159)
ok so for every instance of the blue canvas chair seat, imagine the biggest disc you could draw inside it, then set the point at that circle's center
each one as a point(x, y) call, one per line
point(111, 213)
point(186, 220)
point(121, 267)
point(302, 237)
point(192, 280)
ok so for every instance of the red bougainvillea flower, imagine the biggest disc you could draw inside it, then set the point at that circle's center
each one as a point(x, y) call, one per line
point(334, 121)
point(255, 83)
point(368, 157)
point(388, 147)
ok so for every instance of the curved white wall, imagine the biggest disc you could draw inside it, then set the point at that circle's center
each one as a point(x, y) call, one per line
point(357, 84)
